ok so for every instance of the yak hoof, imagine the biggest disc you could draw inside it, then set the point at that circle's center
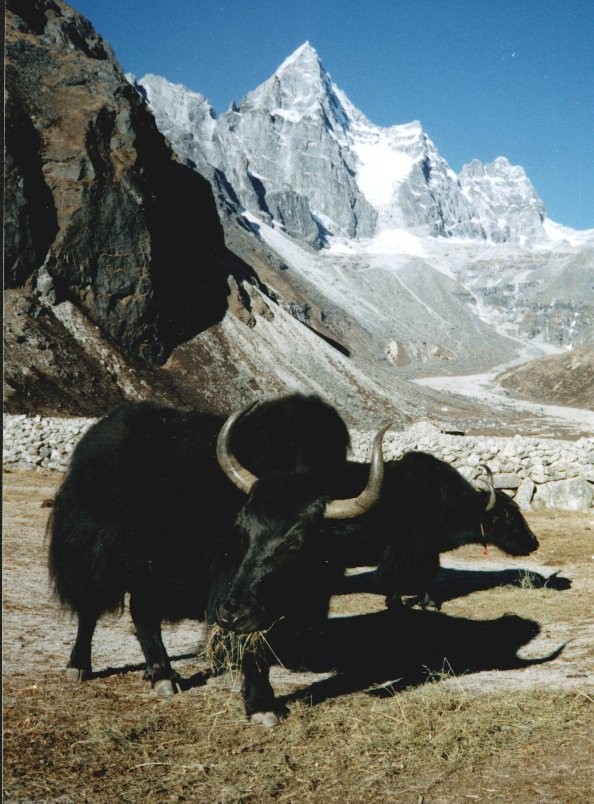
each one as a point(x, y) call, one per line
point(164, 687)
point(77, 674)
point(267, 719)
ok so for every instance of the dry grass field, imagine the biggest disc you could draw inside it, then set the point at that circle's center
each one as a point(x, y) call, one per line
point(490, 699)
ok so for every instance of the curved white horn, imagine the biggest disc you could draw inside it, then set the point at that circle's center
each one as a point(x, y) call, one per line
point(355, 506)
point(237, 473)
point(490, 487)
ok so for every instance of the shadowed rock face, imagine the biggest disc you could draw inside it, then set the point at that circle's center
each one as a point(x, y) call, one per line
point(98, 210)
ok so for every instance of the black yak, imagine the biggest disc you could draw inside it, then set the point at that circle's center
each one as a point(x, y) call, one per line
point(198, 517)
point(426, 508)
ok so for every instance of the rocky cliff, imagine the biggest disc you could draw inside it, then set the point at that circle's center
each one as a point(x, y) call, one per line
point(98, 209)
point(503, 200)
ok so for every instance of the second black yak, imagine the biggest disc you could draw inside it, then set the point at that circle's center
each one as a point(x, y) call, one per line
point(426, 508)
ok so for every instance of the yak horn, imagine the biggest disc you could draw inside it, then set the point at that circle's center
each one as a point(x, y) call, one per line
point(355, 506)
point(491, 488)
point(237, 474)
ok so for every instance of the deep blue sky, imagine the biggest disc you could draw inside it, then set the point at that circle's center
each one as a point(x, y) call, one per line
point(484, 77)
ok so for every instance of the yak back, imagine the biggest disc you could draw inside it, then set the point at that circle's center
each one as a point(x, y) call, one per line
point(293, 433)
point(437, 494)
point(144, 457)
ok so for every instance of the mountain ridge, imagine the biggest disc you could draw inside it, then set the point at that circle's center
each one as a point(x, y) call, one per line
point(414, 187)
point(237, 305)
point(287, 146)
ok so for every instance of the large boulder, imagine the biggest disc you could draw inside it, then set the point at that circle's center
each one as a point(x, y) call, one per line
point(575, 494)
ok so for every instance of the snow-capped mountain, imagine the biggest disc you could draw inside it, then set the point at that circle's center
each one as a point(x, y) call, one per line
point(504, 200)
point(415, 264)
point(297, 151)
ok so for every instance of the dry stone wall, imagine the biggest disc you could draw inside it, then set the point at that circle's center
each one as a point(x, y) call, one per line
point(537, 472)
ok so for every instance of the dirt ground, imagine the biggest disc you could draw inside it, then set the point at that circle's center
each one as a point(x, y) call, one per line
point(507, 715)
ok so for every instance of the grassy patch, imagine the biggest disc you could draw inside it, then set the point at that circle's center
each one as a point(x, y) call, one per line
point(108, 744)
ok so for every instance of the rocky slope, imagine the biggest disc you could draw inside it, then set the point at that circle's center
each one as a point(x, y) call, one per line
point(98, 209)
point(57, 362)
point(564, 379)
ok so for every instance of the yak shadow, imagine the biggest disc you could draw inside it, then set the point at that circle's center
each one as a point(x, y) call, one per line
point(450, 584)
point(198, 679)
point(453, 583)
point(411, 648)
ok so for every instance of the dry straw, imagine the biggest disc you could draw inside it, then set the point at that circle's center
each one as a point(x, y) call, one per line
point(224, 650)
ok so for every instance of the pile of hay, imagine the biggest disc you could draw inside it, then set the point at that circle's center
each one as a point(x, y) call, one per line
point(224, 650)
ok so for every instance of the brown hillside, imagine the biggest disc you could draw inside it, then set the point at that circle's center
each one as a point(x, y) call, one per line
point(565, 379)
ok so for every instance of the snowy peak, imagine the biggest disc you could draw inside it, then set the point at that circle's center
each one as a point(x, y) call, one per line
point(303, 60)
point(298, 153)
point(285, 151)
point(299, 89)
point(503, 199)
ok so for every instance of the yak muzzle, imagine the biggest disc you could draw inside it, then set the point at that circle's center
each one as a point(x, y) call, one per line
point(238, 616)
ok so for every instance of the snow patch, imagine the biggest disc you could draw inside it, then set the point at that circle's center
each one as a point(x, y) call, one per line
point(381, 168)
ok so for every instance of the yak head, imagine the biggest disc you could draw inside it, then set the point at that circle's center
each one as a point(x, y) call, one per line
point(503, 524)
point(289, 561)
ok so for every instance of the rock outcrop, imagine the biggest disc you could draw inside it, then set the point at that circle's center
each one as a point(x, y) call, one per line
point(503, 200)
point(98, 209)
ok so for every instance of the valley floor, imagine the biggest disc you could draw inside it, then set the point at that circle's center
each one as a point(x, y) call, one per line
point(553, 421)
point(491, 726)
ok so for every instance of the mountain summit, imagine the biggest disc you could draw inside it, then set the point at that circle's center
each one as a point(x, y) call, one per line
point(400, 235)
point(298, 153)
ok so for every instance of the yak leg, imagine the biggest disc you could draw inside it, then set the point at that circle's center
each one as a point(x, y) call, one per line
point(258, 695)
point(148, 632)
point(424, 601)
point(409, 563)
point(79, 666)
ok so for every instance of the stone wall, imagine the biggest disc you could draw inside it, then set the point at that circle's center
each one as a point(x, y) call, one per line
point(537, 472)
point(39, 441)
